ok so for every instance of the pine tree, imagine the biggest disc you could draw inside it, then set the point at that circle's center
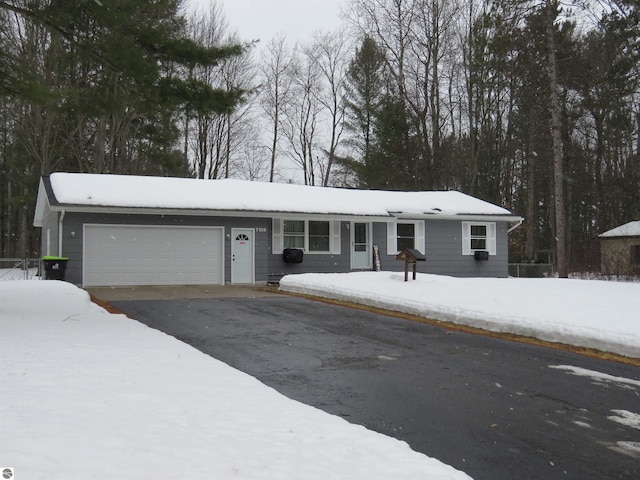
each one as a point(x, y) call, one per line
point(117, 71)
point(393, 161)
point(365, 91)
point(94, 86)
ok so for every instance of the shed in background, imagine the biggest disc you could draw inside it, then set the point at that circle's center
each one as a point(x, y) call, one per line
point(620, 250)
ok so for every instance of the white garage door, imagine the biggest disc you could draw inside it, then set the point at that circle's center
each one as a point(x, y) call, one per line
point(152, 255)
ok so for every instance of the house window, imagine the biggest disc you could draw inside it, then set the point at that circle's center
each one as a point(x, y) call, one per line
point(478, 236)
point(293, 233)
point(319, 236)
point(313, 236)
point(405, 234)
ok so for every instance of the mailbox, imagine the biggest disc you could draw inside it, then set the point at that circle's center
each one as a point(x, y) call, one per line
point(410, 256)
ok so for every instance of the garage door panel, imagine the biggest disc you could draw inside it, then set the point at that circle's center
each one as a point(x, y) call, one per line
point(152, 255)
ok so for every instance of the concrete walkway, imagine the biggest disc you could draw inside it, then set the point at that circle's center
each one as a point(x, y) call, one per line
point(145, 292)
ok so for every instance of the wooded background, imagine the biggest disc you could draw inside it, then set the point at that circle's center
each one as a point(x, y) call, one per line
point(532, 105)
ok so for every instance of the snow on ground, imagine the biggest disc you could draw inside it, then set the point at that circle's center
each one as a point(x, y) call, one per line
point(587, 313)
point(88, 394)
point(95, 395)
point(17, 274)
point(598, 377)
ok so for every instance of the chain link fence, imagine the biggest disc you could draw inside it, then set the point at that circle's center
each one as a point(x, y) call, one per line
point(19, 268)
point(531, 270)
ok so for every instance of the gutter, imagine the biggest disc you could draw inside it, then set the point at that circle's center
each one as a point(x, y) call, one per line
point(212, 213)
point(516, 225)
point(60, 229)
point(391, 216)
point(474, 217)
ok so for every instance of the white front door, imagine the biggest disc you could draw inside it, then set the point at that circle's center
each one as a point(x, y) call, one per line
point(361, 245)
point(242, 255)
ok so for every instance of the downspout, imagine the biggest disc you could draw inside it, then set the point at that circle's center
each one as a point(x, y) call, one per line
point(516, 225)
point(60, 228)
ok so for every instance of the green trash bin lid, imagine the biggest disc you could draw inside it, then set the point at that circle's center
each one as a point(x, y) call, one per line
point(53, 257)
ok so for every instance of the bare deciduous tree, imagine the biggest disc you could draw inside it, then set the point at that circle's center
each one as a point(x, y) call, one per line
point(276, 91)
point(419, 38)
point(329, 52)
point(302, 115)
point(213, 139)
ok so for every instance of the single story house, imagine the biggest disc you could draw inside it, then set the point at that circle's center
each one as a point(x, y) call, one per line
point(137, 230)
point(620, 250)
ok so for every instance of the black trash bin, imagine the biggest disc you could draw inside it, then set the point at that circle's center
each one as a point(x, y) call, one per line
point(54, 267)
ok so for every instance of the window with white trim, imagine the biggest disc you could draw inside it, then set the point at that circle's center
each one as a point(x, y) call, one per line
point(312, 236)
point(293, 233)
point(319, 236)
point(478, 236)
point(405, 234)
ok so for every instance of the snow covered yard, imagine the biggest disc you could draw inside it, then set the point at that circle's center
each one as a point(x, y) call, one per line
point(88, 394)
point(587, 313)
point(7, 274)
point(97, 395)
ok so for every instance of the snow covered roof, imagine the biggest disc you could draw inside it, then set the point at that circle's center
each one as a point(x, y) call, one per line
point(631, 229)
point(187, 194)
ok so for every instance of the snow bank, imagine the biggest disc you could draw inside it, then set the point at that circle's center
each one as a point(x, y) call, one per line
point(88, 394)
point(594, 314)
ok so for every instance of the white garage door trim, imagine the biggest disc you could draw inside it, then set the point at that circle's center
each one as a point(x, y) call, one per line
point(152, 255)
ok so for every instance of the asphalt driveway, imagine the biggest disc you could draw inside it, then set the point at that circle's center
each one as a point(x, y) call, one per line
point(490, 407)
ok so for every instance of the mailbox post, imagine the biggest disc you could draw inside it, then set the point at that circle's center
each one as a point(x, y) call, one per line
point(410, 256)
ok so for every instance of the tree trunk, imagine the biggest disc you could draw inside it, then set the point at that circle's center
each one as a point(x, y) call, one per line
point(558, 174)
point(434, 102)
point(274, 141)
point(227, 146)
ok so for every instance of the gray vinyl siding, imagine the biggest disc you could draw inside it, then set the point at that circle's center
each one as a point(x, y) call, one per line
point(443, 245)
point(49, 223)
point(74, 222)
point(443, 241)
point(315, 262)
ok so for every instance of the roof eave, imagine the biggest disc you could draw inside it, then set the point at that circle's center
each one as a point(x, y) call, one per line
point(43, 202)
point(279, 214)
point(616, 237)
point(207, 212)
point(481, 217)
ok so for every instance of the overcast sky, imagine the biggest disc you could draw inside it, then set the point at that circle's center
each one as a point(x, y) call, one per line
point(263, 19)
